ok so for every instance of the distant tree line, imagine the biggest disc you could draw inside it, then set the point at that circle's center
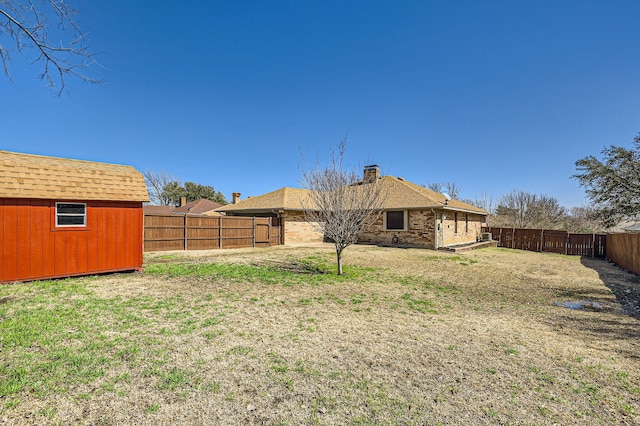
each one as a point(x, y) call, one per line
point(522, 209)
point(167, 190)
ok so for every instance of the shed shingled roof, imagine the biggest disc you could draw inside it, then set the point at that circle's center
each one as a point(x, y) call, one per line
point(400, 194)
point(41, 177)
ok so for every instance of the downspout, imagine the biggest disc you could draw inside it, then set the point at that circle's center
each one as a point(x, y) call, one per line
point(443, 217)
point(435, 229)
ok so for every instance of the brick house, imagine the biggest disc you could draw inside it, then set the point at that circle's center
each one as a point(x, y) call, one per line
point(412, 215)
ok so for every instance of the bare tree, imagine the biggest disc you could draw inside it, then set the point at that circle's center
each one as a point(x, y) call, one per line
point(340, 203)
point(157, 183)
point(447, 187)
point(523, 209)
point(62, 48)
point(550, 214)
point(485, 202)
point(584, 219)
point(518, 207)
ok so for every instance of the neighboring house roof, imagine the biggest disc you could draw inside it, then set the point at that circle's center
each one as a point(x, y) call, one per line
point(201, 206)
point(400, 194)
point(157, 209)
point(40, 177)
point(280, 199)
point(634, 227)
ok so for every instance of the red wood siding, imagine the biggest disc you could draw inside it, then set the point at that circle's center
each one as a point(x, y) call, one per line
point(31, 247)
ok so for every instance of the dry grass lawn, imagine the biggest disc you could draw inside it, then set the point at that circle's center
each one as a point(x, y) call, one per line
point(267, 336)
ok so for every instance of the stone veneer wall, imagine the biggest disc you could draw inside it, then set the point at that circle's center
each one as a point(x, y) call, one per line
point(420, 231)
point(466, 233)
point(297, 230)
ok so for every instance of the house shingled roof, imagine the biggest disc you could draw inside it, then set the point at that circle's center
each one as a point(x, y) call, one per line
point(400, 194)
point(281, 199)
point(41, 177)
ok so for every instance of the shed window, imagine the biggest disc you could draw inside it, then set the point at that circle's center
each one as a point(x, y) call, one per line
point(71, 214)
point(395, 220)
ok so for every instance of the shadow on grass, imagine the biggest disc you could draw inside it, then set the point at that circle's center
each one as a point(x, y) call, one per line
point(625, 285)
point(607, 324)
point(597, 328)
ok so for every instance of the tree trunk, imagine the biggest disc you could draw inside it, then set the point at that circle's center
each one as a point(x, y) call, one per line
point(339, 256)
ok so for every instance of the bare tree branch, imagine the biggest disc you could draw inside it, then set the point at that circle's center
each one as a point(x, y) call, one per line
point(26, 24)
point(450, 188)
point(156, 184)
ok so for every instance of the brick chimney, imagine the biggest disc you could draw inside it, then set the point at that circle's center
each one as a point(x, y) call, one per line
point(183, 201)
point(235, 197)
point(371, 173)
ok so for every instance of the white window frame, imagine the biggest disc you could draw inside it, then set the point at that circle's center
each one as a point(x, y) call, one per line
point(83, 215)
point(405, 221)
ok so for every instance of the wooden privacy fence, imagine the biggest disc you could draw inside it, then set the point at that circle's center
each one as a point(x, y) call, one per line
point(592, 245)
point(624, 251)
point(191, 232)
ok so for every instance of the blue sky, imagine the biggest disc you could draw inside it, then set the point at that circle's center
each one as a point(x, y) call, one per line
point(492, 95)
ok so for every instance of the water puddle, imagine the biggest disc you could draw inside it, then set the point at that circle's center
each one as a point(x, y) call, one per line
point(583, 304)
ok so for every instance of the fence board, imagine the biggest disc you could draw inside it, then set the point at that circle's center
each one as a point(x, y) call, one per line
point(190, 232)
point(528, 239)
point(554, 241)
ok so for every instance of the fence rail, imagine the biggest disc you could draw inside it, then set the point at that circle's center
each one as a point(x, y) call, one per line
point(624, 251)
point(191, 232)
point(592, 245)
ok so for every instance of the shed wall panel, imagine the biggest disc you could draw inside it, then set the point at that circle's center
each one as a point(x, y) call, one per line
point(10, 240)
point(48, 241)
point(101, 249)
point(38, 211)
point(111, 241)
point(23, 220)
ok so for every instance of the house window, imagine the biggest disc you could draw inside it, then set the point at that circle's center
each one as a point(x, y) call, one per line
point(455, 222)
point(466, 223)
point(395, 220)
point(71, 214)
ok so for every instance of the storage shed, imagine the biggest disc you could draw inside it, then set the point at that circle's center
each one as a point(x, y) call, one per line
point(62, 217)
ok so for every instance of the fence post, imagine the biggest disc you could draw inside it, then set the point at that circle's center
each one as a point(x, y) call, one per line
point(253, 233)
point(541, 240)
point(185, 231)
point(269, 231)
point(513, 238)
point(220, 232)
